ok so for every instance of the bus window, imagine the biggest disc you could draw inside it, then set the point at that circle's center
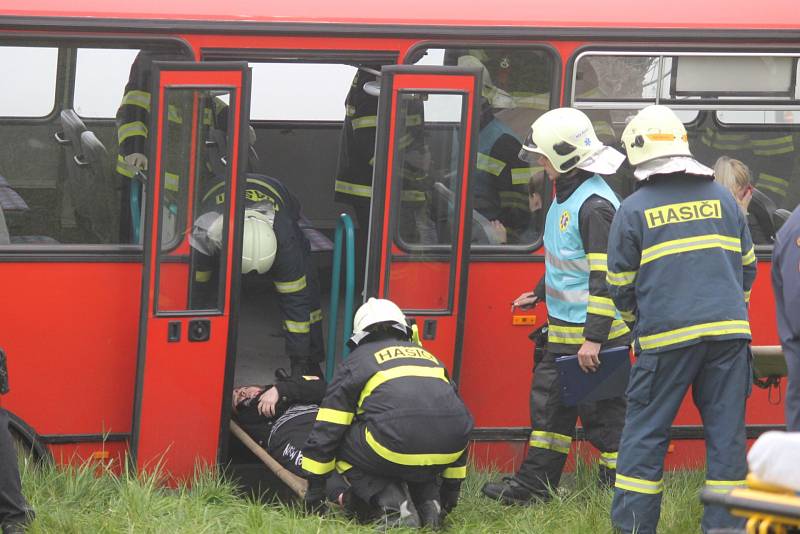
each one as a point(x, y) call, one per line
point(740, 106)
point(98, 91)
point(33, 71)
point(518, 84)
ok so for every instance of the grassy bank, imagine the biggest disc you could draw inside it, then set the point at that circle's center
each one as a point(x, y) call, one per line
point(74, 500)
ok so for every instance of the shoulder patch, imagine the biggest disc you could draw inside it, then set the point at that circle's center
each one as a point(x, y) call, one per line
point(563, 221)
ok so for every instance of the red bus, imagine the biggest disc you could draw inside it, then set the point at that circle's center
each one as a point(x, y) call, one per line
point(107, 354)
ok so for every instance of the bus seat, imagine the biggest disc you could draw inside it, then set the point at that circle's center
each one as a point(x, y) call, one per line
point(77, 182)
point(102, 192)
point(781, 216)
point(4, 237)
point(762, 209)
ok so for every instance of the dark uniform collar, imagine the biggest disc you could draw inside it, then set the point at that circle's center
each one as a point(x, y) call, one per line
point(566, 184)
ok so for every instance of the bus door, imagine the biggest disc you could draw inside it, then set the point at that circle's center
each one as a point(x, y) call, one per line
point(420, 231)
point(190, 281)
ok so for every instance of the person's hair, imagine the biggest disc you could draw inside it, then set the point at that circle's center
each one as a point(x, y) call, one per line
point(732, 173)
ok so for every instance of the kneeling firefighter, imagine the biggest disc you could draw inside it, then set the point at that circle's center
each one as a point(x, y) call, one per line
point(272, 242)
point(392, 423)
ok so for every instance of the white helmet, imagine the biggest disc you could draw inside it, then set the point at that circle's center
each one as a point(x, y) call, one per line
point(655, 132)
point(565, 136)
point(376, 311)
point(259, 244)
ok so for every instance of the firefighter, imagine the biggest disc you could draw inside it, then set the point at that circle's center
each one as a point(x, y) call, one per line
point(501, 178)
point(274, 242)
point(392, 422)
point(680, 266)
point(786, 284)
point(582, 319)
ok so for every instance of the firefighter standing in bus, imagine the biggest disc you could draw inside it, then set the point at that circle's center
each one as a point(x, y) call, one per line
point(681, 263)
point(582, 318)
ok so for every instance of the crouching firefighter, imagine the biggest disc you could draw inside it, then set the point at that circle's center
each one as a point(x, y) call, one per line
point(392, 423)
point(582, 318)
point(681, 263)
point(272, 242)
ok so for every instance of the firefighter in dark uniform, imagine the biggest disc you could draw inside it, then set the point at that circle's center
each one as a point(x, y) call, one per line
point(274, 242)
point(501, 178)
point(786, 284)
point(680, 266)
point(15, 513)
point(582, 318)
point(392, 423)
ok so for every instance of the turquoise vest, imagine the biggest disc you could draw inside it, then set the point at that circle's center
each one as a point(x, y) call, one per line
point(567, 268)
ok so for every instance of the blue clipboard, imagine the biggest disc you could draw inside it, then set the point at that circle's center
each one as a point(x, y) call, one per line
point(610, 380)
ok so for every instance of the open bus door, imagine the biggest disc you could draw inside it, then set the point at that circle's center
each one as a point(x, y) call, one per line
point(186, 343)
point(427, 126)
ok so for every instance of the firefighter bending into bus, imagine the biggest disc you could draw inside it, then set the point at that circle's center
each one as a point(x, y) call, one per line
point(272, 242)
point(392, 423)
point(581, 316)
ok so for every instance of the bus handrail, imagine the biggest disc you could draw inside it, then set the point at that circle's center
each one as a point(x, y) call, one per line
point(344, 229)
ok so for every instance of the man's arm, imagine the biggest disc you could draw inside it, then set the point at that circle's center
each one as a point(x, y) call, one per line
point(595, 219)
point(624, 257)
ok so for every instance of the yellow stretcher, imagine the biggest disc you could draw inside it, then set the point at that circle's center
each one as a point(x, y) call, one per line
point(769, 509)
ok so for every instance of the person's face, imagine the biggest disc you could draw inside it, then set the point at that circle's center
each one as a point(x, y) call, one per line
point(243, 393)
point(551, 171)
point(534, 202)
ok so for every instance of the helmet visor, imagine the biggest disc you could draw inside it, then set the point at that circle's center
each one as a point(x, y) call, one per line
point(529, 153)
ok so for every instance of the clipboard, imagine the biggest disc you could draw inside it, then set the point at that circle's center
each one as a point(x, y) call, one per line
point(610, 380)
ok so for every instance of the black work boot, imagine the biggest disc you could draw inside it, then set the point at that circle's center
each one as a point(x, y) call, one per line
point(430, 514)
point(397, 507)
point(606, 477)
point(511, 491)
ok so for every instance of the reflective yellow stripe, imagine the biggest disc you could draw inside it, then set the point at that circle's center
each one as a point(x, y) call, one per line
point(620, 279)
point(342, 466)
point(598, 261)
point(725, 486)
point(208, 117)
point(356, 190)
point(315, 316)
point(412, 196)
point(573, 335)
point(411, 459)
point(609, 459)
point(137, 98)
point(627, 316)
point(550, 441)
point(747, 296)
point(266, 186)
point(639, 485)
point(173, 115)
point(318, 468)
point(773, 183)
point(292, 286)
point(601, 306)
point(455, 472)
point(750, 257)
point(679, 335)
point(489, 164)
point(405, 141)
point(131, 129)
point(513, 199)
point(414, 120)
point(202, 276)
point(172, 182)
point(723, 141)
point(402, 371)
point(124, 168)
point(297, 327)
point(688, 244)
point(337, 417)
point(773, 147)
point(522, 175)
point(368, 121)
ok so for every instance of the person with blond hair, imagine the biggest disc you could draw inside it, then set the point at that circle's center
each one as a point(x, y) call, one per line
point(736, 177)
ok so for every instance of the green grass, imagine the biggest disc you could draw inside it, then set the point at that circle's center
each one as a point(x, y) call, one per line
point(83, 500)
